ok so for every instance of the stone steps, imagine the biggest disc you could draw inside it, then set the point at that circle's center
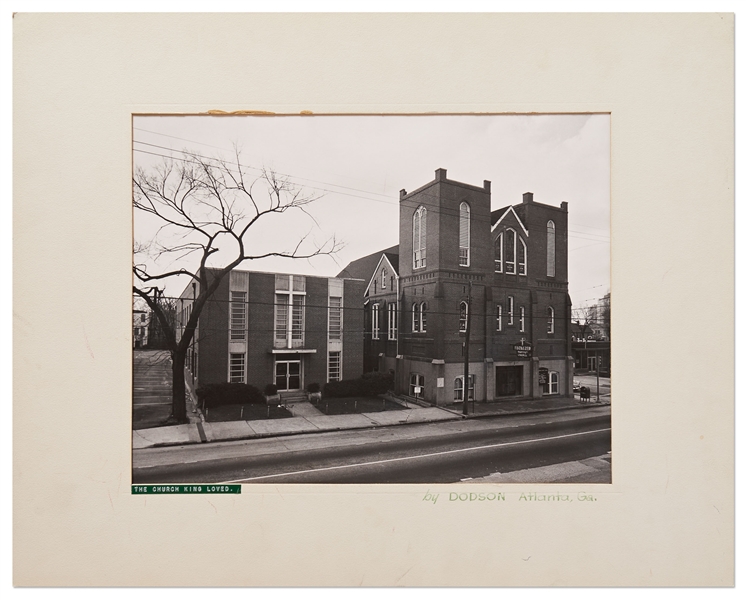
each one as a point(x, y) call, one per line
point(290, 397)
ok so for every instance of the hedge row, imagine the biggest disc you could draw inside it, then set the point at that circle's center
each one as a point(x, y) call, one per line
point(222, 394)
point(370, 384)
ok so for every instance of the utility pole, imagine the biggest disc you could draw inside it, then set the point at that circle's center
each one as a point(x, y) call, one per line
point(466, 352)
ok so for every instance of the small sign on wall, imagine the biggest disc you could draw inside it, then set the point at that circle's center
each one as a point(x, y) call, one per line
point(441, 382)
point(523, 350)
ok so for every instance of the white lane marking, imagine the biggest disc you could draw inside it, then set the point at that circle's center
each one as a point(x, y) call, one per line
point(388, 460)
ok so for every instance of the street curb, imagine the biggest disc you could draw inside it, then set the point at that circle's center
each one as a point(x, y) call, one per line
point(291, 433)
point(535, 411)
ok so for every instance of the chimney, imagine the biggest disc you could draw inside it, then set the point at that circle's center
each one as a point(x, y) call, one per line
point(528, 197)
point(402, 193)
point(440, 174)
point(487, 186)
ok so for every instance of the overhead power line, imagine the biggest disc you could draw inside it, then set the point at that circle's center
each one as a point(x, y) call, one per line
point(582, 235)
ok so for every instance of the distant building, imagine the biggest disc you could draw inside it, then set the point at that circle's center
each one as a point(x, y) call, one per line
point(262, 328)
point(590, 355)
point(416, 297)
point(140, 327)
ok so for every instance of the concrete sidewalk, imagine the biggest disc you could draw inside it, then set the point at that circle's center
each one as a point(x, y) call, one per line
point(590, 470)
point(308, 422)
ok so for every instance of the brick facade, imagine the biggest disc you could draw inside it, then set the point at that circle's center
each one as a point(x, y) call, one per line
point(502, 258)
point(239, 335)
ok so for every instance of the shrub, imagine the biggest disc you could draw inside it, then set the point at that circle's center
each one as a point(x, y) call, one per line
point(379, 382)
point(370, 384)
point(313, 388)
point(222, 394)
point(270, 389)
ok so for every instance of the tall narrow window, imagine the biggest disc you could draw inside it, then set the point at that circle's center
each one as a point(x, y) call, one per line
point(550, 319)
point(553, 382)
point(335, 366)
point(383, 279)
point(281, 320)
point(392, 321)
point(550, 248)
point(464, 235)
point(499, 317)
point(419, 238)
point(521, 256)
point(335, 318)
point(463, 316)
point(374, 319)
point(522, 319)
point(290, 292)
point(415, 317)
point(238, 315)
point(298, 318)
point(237, 368)
point(499, 254)
point(509, 251)
point(423, 317)
point(510, 310)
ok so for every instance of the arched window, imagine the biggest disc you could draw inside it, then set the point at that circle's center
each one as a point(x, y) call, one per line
point(552, 383)
point(416, 385)
point(509, 251)
point(458, 388)
point(499, 254)
point(550, 248)
point(463, 314)
point(423, 316)
point(521, 256)
point(392, 321)
point(419, 238)
point(464, 235)
point(375, 325)
point(550, 319)
point(415, 317)
point(522, 320)
point(383, 279)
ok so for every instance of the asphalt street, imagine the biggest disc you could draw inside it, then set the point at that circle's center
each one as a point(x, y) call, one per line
point(428, 453)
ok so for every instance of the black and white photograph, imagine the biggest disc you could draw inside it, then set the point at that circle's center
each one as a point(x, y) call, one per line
point(371, 299)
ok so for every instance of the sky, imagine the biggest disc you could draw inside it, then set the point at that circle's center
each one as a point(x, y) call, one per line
point(356, 166)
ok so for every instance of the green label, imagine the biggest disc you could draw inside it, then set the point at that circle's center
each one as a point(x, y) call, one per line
point(200, 488)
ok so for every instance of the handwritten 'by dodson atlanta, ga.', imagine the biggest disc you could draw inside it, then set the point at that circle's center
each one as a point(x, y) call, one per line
point(501, 497)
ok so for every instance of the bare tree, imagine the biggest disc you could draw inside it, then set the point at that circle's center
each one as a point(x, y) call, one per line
point(206, 210)
point(605, 315)
point(585, 318)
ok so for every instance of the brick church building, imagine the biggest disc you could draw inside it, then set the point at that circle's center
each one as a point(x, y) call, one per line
point(511, 262)
point(289, 330)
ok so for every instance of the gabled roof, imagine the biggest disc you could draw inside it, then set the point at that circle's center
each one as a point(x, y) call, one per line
point(500, 214)
point(384, 259)
point(393, 259)
point(497, 214)
point(363, 268)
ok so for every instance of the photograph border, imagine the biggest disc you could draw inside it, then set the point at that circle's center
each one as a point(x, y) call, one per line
point(71, 467)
